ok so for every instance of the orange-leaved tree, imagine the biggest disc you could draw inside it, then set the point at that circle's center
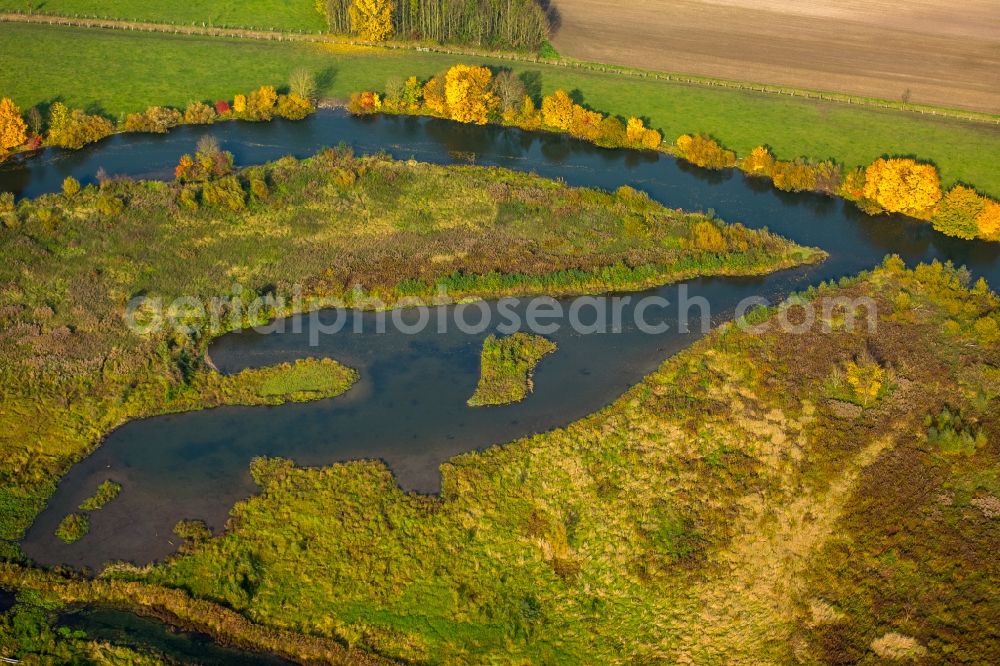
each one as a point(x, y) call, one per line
point(903, 185)
point(364, 102)
point(468, 95)
point(371, 20)
point(13, 129)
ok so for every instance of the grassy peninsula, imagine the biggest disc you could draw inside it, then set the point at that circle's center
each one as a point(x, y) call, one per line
point(506, 366)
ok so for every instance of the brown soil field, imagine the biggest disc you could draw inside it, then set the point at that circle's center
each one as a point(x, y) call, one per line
point(943, 53)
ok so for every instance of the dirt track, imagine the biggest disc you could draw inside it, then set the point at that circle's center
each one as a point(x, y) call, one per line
point(944, 53)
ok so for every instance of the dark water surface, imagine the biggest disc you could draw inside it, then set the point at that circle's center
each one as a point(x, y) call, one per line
point(409, 408)
point(126, 629)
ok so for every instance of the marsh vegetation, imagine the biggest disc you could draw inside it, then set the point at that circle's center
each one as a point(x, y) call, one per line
point(506, 366)
point(74, 370)
point(646, 519)
point(106, 491)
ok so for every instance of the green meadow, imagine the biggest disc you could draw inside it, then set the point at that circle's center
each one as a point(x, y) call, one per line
point(297, 15)
point(118, 72)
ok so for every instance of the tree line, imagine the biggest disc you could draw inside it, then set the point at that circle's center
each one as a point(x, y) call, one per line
point(505, 24)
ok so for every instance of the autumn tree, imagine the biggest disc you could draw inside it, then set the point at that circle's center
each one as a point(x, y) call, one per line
point(520, 25)
point(70, 186)
point(75, 129)
point(293, 106)
point(371, 20)
point(903, 185)
point(467, 92)
point(706, 236)
point(557, 110)
point(210, 162)
point(958, 212)
point(866, 379)
point(364, 102)
point(586, 123)
point(434, 98)
point(611, 132)
point(199, 113)
point(795, 176)
point(394, 89)
point(988, 221)
point(261, 103)
point(829, 177)
point(641, 136)
point(13, 129)
point(529, 116)
point(155, 120)
point(705, 152)
point(852, 184)
point(760, 162)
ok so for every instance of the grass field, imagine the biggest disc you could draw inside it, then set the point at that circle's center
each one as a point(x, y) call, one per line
point(117, 72)
point(261, 14)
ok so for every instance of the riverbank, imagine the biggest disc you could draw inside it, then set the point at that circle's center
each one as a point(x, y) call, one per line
point(742, 119)
point(175, 608)
point(471, 94)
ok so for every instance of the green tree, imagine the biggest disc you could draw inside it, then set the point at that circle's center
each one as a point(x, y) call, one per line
point(958, 212)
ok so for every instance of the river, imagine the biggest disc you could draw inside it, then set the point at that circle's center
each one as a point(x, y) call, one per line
point(409, 407)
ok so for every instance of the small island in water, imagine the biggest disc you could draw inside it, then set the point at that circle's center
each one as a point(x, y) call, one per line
point(506, 368)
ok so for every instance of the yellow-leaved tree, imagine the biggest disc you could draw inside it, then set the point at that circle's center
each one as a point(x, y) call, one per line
point(371, 20)
point(902, 185)
point(467, 92)
point(434, 95)
point(760, 162)
point(557, 110)
point(639, 135)
point(866, 379)
point(13, 130)
point(988, 221)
